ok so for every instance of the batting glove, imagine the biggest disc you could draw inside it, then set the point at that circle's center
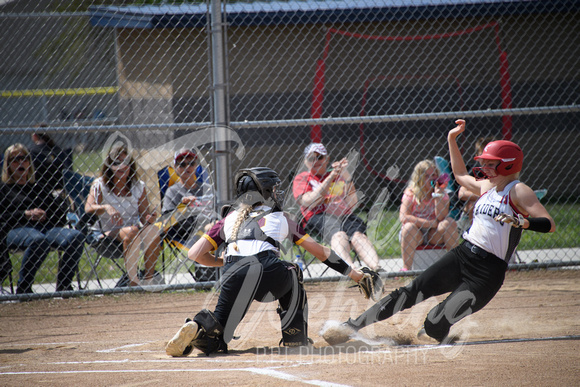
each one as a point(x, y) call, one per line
point(515, 221)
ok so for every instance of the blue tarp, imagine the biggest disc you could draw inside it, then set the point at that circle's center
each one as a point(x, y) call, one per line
point(317, 12)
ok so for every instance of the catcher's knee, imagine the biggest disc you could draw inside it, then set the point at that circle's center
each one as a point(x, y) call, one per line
point(294, 315)
point(210, 339)
point(297, 270)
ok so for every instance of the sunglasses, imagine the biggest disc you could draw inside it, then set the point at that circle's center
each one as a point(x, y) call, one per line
point(185, 164)
point(314, 158)
point(19, 159)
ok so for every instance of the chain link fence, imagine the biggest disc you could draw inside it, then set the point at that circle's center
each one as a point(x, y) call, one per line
point(379, 82)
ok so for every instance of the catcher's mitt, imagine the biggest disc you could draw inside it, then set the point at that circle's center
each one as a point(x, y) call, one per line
point(371, 284)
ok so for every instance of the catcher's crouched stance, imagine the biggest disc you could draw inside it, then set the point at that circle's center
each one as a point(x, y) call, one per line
point(252, 232)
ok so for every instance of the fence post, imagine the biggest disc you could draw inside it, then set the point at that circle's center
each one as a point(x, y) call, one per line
point(220, 104)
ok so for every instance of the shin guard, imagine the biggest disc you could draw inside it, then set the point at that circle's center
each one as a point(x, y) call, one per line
point(293, 313)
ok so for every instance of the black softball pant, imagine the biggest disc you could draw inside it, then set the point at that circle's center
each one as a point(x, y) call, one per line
point(264, 278)
point(472, 280)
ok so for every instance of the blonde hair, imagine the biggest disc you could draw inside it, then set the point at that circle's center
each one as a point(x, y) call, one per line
point(243, 213)
point(417, 181)
point(6, 175)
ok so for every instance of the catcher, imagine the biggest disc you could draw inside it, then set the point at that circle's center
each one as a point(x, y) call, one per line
point(252, 232)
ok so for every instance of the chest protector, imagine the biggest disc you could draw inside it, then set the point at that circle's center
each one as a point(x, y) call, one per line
point(250, 230)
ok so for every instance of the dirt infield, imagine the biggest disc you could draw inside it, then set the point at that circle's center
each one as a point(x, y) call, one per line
point(528, 335)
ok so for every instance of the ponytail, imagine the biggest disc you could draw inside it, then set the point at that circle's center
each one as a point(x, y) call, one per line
point(244, 212)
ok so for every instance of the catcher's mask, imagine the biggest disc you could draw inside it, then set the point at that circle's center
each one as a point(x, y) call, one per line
point(258, 185)
point(510, 156)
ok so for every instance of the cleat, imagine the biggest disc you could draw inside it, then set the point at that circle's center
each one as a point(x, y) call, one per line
point(338, 333)
point(179, 345)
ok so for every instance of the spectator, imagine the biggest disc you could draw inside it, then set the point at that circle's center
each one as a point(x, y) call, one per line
point(466, 197)
point(423, 213)
point(326, 201)
point(189, 191)
point(5, 262)
point(48, 160)
point(119, 198)
point(35, 218)
point(188, 207)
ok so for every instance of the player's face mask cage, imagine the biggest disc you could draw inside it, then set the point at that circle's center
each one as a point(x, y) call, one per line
point(257, 185)
point(278, 194)
point(480, 174)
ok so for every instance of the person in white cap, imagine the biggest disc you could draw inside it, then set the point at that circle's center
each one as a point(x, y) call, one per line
point(326, 200)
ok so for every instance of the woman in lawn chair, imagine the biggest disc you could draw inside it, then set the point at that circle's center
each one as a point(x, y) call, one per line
point(119, 198)
point(188, 206)
point(33, 220)
point(424, 213)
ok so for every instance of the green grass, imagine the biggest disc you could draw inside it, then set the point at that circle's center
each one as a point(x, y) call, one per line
point(383, 231)
point(87, 163)
point(567, 234)
point(105, 270)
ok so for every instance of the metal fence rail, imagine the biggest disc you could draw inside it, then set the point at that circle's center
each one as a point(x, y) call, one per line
point(253, 85)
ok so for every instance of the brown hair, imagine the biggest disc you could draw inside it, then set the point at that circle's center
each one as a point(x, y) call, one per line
point(107, 173)
point(45, 137)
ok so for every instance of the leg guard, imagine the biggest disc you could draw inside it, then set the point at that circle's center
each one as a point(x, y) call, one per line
point(211, 336)
point(293, 311)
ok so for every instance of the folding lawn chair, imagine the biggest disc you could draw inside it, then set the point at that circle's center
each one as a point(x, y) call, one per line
point(202, 212)
point(78, 188)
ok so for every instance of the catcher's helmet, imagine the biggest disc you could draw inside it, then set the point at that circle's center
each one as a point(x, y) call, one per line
point(260, 179)
point(509, 154)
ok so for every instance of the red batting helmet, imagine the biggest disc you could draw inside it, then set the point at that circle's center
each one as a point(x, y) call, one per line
point(509, 154)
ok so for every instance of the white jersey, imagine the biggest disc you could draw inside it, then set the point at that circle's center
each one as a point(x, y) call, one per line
point(273, 225)
point(128, 206)
point(497, 238)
